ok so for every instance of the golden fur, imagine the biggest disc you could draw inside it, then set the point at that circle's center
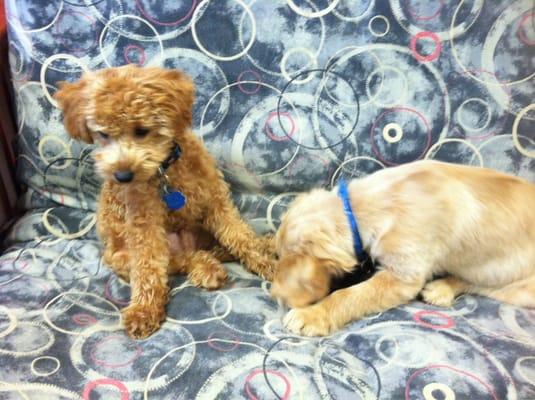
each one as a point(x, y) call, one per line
point(141, 111)
point(427, 218)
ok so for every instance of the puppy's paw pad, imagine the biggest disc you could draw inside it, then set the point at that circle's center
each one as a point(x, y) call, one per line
point(309, 321)
point(212, 276)
point(438, 293)
point(140, 321)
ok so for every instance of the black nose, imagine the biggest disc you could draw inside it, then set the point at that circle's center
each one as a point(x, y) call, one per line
point(124, 176)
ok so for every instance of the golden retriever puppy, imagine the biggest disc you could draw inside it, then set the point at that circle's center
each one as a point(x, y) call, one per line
point(475, 226)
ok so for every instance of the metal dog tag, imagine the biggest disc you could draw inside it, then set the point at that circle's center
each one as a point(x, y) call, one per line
point(174, 200)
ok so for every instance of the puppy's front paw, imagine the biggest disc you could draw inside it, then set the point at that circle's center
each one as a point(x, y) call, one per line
point(141, 320)
point(263, 266)
point(309, 321)
point(438, 293)
point(268, 245)
point(209, 276)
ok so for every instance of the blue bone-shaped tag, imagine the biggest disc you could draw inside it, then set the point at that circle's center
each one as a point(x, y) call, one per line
point(174, 200)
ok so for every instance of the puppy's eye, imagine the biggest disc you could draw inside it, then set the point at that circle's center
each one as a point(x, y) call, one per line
point(141, 132)
point(103, 135)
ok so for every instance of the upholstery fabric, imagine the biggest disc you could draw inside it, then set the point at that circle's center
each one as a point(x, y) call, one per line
point(291, 94)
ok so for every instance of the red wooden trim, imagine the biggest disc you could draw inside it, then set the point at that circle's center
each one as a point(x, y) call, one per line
point(2, 16)
point(8, 187)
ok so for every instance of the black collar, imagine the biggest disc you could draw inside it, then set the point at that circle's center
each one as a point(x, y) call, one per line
point(173, 198)
point(174, 155)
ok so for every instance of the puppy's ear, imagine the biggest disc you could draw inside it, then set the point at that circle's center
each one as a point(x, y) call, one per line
point(179, 96)
point(331, 252)
point(72, 99)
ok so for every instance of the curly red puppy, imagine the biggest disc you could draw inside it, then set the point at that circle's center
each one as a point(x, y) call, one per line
point(475, 225)
point(141, 118)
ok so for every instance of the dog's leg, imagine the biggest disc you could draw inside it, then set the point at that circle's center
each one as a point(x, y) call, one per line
point(222, 254)
point(148, 245)
point(381, 292)
point(226, 224)
point(202, 267)
point(189, 241)
point(520, 293)
point(110, 227)
point(442, 292)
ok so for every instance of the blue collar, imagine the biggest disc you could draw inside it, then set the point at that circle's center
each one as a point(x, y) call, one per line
point(352, 219)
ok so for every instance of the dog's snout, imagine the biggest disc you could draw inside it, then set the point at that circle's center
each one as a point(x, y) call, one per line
point(124, 176)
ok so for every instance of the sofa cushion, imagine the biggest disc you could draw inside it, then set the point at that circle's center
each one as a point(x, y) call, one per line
point(61, 336)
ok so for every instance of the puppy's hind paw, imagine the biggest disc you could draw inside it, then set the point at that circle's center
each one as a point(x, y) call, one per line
point(438, 293)
point(211, 275)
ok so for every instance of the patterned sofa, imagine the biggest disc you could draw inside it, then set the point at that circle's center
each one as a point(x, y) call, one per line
point(291, 94)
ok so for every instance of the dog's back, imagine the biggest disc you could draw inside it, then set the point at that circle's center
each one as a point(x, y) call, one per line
point(478, 224)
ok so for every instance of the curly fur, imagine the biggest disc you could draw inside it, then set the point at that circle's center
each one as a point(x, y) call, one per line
point(109, 107)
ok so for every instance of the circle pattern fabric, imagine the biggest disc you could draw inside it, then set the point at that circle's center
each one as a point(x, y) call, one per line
point(291, 94)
